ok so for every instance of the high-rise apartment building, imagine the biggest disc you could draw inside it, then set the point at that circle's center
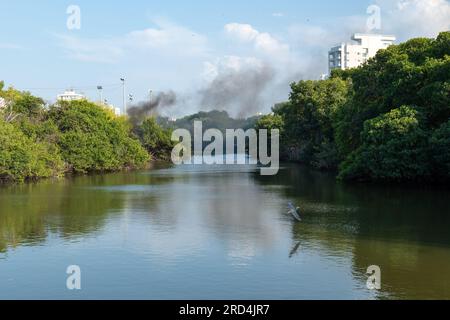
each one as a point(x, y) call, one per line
point(352, 55)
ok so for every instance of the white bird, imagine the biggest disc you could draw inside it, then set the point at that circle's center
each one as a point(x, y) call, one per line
point(294, 211)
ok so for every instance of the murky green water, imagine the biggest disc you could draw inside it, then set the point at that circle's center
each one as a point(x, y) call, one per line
point(222, 233)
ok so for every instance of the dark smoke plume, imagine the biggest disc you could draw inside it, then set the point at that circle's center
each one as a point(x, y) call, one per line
point(144, 109)
point(240, 91)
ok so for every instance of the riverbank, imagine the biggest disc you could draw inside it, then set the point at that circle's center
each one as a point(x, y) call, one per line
point(153, 164)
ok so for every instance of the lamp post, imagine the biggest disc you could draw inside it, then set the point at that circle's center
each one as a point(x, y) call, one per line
point(100, 91)
point(123, 96)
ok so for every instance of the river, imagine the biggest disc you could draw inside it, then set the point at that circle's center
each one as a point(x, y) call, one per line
point(216, 232)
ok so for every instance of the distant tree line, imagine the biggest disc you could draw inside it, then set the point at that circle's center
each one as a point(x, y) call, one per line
point(388, 120)
point(215, 119)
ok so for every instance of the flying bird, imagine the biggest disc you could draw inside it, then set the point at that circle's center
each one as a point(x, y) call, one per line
point(294, 211)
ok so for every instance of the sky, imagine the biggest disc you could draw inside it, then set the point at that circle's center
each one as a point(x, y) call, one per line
point(238, 56)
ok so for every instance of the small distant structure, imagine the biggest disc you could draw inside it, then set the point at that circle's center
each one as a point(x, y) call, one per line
point(352, 55)
point(70, 95)
point(116, 111)
point(2, 103)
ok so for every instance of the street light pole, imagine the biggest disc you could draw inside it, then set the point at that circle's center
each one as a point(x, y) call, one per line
point(100, 91)
point(124, 98)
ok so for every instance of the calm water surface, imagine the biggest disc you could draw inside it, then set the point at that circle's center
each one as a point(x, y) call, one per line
point(222, 233)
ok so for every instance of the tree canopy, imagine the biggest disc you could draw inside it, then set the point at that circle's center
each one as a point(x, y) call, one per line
point(385, 120)
point(68, 137)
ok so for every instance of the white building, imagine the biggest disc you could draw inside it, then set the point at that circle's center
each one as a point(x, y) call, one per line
point(70, 95)
point(351, 55)
point(116, 111)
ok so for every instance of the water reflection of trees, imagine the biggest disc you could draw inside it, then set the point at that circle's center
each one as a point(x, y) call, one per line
point(394, 212)
point(403, 229)
point(69, 208)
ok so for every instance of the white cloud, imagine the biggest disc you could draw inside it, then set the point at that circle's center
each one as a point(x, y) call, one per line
point(243, 32)
point(262, 41)
point(165, 38)
point(289, 62)
point(228, 65)
point(415, 18)
point(278, 14)
point(404, 18)
point(169, 37)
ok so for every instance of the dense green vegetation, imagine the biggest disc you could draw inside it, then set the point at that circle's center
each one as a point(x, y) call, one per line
point(93, 139)
point(77, 137)
point(155, 139)
point(388, 120)
point(22, 157)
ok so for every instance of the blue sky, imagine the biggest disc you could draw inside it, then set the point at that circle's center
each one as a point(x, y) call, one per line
point(183, 46)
